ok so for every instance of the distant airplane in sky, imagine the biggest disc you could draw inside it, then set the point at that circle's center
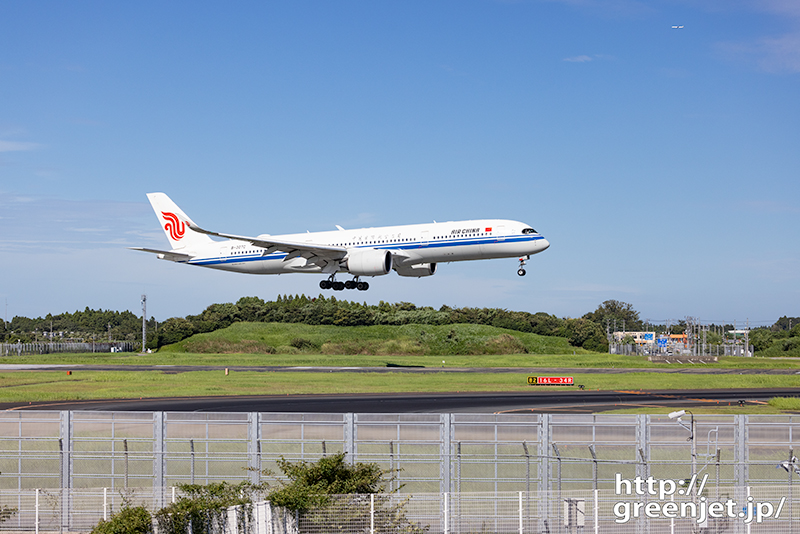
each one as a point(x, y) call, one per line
point(678, 27)
point(410, 250)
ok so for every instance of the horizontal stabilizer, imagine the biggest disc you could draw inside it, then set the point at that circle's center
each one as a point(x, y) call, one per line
point(165, 254)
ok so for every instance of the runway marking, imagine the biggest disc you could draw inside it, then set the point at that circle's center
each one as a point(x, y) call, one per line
point(678, 397)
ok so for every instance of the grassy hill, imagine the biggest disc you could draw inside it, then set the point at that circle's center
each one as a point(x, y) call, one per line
point(420, 340)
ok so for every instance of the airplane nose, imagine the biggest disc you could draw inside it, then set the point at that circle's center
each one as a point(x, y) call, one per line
point(544, 244)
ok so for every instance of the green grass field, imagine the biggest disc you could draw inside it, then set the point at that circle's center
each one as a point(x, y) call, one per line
point(458, 346)
point(80, 385)
point(407, 340)
point(267, 344)
point(523, 361)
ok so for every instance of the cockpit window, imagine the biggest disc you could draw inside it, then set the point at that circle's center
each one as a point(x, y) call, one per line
point(528, 231)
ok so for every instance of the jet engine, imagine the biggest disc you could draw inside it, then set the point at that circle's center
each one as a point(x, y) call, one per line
point(369, 262)
point(417, 270)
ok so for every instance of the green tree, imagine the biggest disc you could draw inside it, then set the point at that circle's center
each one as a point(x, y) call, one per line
point(761, 339)
point(174, 330)
point(785, 323)
point(613, 310)
point(311, 484)
point(251, 309)
point(586, 334)
point(336, 491)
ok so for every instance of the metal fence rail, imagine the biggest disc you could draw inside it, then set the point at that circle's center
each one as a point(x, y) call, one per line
point(72, 456)
point(432, 453)
point(733, 510)
point(19, 349)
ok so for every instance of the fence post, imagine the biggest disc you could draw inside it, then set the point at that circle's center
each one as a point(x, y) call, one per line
point(544, 468)
point(446, 519)
point(740, 461)
point(350, 438)
point(792, 467)
point(65, 444)
point(159, 448)
point(445, 452)
point(36, 513)
point(125, 449)
point(520, 512)
point(371, 513)
point(254, 446)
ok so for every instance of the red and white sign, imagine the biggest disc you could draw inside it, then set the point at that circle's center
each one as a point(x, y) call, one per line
point(550, 380)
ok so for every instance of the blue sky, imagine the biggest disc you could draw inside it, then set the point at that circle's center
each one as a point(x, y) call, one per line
point(662, 164)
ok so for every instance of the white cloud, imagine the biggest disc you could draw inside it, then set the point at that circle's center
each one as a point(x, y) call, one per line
point(771, 53)
point(17, 146)
point(780, 54)
point(578, 59)
point(610, 8)
point(42, 223)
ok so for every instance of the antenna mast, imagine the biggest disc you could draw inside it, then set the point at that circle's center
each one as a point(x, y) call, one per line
point(144, 322)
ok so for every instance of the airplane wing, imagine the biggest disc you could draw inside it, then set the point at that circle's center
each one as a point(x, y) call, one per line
point(165, 254)
point(294, 249)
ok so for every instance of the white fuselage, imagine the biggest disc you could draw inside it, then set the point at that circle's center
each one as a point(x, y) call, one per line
point(409, 244)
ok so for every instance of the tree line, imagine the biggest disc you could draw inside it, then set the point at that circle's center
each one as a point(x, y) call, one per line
point(588, 331)
point(330, 311)
point(81, 326)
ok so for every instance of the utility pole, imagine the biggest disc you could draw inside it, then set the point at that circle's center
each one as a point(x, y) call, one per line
point(747, 339)
point(144, 322)
point(705, 332)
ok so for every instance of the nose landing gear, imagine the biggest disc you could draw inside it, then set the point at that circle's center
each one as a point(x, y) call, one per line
point(521, 271)
point(331, 283)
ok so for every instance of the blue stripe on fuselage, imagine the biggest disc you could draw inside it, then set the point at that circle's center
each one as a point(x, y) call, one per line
point(229, 260)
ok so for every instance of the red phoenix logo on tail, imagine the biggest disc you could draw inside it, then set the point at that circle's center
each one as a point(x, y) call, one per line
point(175, 227)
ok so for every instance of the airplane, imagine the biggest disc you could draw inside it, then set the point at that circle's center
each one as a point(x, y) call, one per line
point(411, 250)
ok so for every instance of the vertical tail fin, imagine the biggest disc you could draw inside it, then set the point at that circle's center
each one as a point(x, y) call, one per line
point(174, 222)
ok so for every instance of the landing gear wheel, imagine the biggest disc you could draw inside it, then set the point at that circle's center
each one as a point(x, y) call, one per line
point(338, 286)
point(521, 270)
point(350, 284)
point(362, 286)
point(325, 284)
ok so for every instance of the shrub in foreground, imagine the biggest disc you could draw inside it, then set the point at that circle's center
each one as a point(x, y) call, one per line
point(129, 520)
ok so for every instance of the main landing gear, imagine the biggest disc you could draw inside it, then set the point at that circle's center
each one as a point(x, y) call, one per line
point(521, 271)
point(330, 283)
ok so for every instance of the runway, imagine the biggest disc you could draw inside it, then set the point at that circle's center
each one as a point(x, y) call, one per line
point(556, 401)
point(175, 369)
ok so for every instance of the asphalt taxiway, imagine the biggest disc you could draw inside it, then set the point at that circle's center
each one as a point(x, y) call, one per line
point(557, 401)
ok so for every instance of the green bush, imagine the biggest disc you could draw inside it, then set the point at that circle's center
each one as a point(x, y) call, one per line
point(129, 520)
point(311, 484)
point(203, 509)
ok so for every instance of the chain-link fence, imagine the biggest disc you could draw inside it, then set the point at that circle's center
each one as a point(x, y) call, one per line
point(733, 510)
point(682, 351)
point(19, 349)
point(430, 452)
point(455, 454)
